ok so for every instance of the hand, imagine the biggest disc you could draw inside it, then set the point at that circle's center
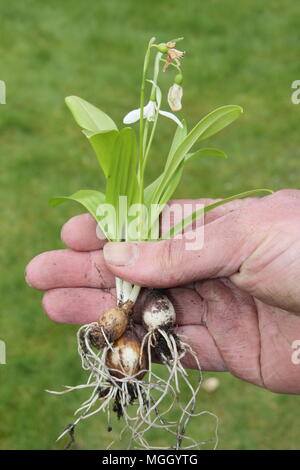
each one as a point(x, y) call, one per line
point(237, 298)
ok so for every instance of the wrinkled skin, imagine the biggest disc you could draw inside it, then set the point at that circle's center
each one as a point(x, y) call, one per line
point(237, 298)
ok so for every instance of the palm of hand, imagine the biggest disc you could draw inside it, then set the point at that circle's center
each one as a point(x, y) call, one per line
point(232, 331)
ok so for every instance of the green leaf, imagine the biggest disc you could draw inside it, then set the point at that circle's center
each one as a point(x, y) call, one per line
point(173, 183)
point(91, 119)
point(165, 197)
point(150, 191)
point(86, 197)
point(88, 134)
point(103, 143)
point(168, 192)
point(179, 136)
point(209, 125)
point(121, 178)
point(90, 200)
point(207, 152)
point(195, 215)
point(216, 121)
point(170, 188)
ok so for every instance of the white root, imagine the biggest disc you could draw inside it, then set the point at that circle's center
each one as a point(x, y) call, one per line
point(101, 378)
point(153, 399)
point(177, 349)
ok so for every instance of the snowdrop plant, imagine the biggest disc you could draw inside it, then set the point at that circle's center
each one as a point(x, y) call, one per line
point(119, 364)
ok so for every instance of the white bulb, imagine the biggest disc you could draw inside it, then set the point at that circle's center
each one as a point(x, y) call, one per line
point(158, 311)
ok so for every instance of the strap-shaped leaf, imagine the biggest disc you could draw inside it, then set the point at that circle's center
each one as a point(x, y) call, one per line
point(103, 143)
point(209, 125)
point(215, 121)
point(179, 136)
point(168, 193)
point(91, 119)
point(195, 215)
point(171, 187)
point(121, 178)
point(207, 152)
point(149, 191)
point(86, 197)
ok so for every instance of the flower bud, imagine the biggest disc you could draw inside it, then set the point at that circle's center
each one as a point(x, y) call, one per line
point(175, 96)
point(162, 47)
point(178, 79)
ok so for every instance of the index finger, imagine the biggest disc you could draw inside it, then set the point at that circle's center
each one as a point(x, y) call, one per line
point(81, 233)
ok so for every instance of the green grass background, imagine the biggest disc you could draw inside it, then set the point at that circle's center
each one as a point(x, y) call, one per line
point(244, 53)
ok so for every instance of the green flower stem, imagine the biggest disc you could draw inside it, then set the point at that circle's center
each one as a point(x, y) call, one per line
point(142, 104)
point(142, 137)
point(127, 291)
point(153, 96)
point(146, 128)
point(150, 141)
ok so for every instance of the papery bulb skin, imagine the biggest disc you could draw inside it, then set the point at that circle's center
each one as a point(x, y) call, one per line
point(125, 359)
point(111, 326)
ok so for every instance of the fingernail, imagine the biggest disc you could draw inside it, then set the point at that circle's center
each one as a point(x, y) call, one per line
point(120, 254)
point(26, 277)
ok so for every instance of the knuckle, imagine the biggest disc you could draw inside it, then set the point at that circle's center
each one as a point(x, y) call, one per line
point(281, 200)
point(171, 261)
point(286, 193)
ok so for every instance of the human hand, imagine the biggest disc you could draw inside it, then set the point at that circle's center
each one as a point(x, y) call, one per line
point(233, 298)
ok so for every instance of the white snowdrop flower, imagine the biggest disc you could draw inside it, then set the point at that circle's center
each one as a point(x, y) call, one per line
point(149, 114)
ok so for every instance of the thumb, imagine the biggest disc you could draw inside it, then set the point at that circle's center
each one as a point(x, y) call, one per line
point(225, 245)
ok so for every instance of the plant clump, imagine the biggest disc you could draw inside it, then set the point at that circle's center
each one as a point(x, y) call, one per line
point(121, 378)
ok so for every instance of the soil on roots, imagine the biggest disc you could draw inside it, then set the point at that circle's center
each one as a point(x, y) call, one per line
point(162, 349)
point(82, 342)
point(133, 395)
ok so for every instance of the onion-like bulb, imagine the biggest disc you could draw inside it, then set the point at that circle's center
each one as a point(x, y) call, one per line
point(158, 311)
point(125, 358)
point(111, 325)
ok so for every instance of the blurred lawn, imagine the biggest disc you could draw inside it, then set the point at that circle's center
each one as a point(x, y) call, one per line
point(238, 52)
